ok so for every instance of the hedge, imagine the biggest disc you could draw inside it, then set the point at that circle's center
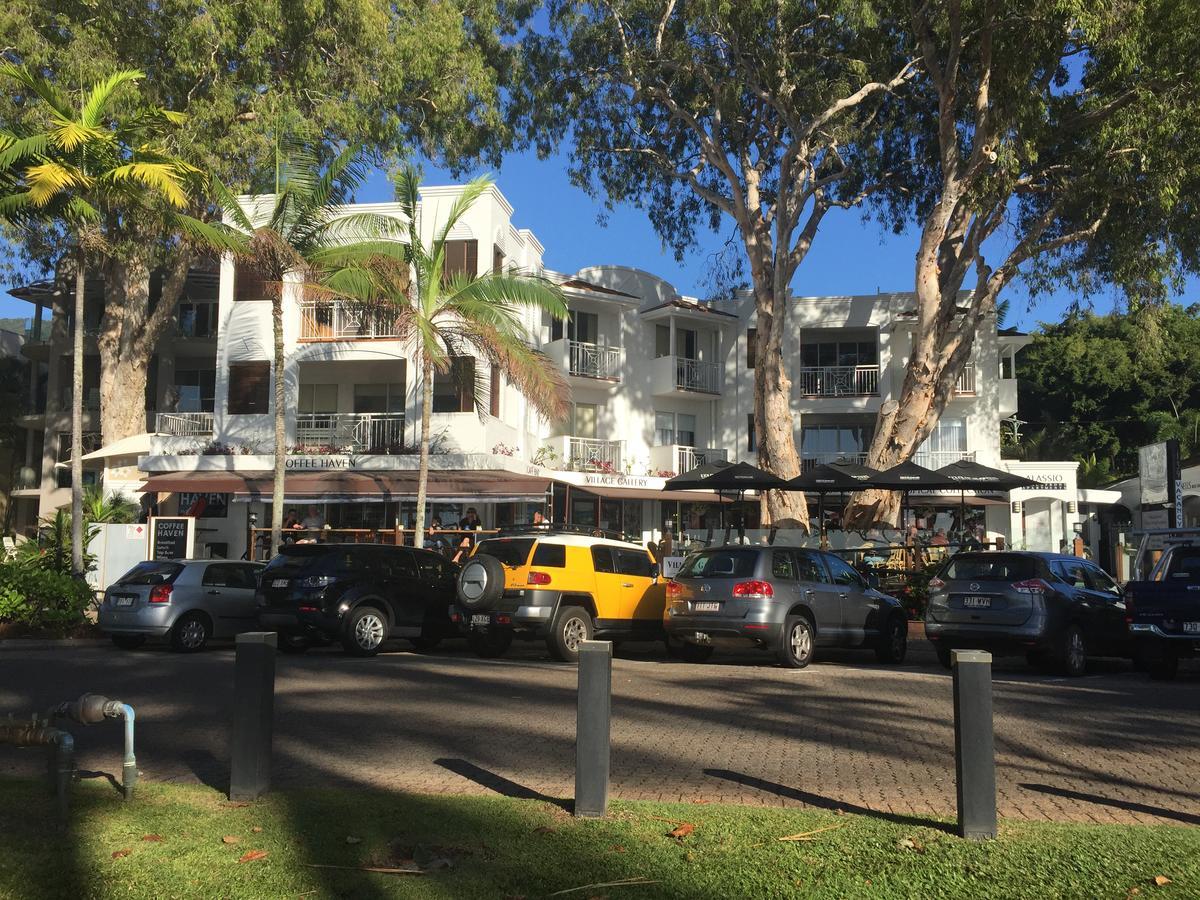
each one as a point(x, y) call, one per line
point(42, 599)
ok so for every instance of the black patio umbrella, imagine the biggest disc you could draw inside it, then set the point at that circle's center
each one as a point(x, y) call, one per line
point(829, 478)
point(737, 478)
point(969, 475)
point(908, 476)
point(690, 480)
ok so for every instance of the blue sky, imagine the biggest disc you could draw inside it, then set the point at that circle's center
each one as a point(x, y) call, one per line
point(851, 256)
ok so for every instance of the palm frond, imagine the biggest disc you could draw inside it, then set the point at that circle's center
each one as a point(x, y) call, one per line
point(50, 95)
point(70, 135)
point(360, 252)
point(52, 178)
point(215, 236)
point(101, 94)
point(533, 373)
point(503, 293)
point(14, 149)
point(342, 178)
point(471, 192)
point(161, 178)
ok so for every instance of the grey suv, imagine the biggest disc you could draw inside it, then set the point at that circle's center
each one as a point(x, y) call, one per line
point(784, 599)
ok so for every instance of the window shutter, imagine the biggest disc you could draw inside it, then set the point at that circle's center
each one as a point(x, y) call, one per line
point(751, 346)
point(497, 259)
point(247, 284)
point(460, 258)
point(465, 373)
point(494, 398)
point(249, 388)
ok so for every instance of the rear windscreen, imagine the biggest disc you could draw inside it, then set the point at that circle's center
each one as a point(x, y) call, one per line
point(1184, 564)
point(720, 564)
point(152, 572)
point(510, 551)
point(990, 567)
point(295, 560)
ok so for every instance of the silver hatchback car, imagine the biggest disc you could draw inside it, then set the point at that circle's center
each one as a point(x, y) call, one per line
point(186, 601)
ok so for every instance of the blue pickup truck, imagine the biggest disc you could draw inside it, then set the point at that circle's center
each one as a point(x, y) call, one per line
point(1163, 611)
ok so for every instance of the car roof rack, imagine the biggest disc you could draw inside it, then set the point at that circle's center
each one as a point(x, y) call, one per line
point(548, 529)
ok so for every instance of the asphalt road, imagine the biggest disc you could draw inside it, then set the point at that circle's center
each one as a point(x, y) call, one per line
point(845, 732)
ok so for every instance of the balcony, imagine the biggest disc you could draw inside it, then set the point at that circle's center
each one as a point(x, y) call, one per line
point(966, 381)
point(594, 361)
point(339, 321)
point(593, 455)
point(678, 458)
point(839, 381)
point(184, 424)
point(356, 432)
point(678, 374)
point(930, 459)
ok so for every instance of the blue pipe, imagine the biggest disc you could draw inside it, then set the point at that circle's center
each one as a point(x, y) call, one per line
point(129, 765)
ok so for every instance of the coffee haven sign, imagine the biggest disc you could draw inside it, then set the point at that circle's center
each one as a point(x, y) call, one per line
point(318, 463)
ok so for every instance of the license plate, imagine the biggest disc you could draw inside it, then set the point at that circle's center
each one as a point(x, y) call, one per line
point(279, 582)
point(976, 602)
point(483, 619)
point(708, 606)
point(1191, 627)
point(124, 600)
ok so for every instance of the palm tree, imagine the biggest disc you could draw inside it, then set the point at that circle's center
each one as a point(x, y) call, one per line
point(461, 315)
point(101, 508)
point(81, 164)
point(305, 236)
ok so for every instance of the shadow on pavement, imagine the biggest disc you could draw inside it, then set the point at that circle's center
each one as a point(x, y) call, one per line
point(499, 783)
point(1127, 805)
point(820, 802)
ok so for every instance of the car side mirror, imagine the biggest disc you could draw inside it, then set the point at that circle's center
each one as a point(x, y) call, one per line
point(654, 572)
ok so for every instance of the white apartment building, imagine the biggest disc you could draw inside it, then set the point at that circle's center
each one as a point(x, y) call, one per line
point(660, 383)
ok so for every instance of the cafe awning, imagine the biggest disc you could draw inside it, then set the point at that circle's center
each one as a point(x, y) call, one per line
point(633, 493)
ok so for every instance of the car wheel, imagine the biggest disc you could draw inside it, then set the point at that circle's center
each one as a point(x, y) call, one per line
point(893, 643)
point(364, 631)
point(796, 643)
point(490, 644)
point(293, 643)
point(1074, 652)
point(572, 626)
point(190, 633)
point(128, 641)
point(1163, 668)
point(943, 656)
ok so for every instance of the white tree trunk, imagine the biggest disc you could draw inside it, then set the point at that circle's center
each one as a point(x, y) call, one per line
point(423, 468)
point(77, 567)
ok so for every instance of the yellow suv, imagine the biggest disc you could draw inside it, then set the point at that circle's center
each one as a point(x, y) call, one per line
point(564, 588)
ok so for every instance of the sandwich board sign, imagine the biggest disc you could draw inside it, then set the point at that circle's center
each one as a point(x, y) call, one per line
point(172, 537)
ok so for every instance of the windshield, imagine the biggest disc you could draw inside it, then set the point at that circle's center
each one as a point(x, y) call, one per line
point(1184, 564)
point(292, 561)
point(719, 564)
point(510, 551)
point(152, 572)
point(990, 567)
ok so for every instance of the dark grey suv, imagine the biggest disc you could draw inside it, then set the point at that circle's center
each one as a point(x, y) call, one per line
point(784, 599)
point(1057, 610)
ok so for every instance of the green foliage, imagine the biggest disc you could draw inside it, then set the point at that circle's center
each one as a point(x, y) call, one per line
point(1095, 388)
point(42, 599)
point(52, 549)
point(102, 508)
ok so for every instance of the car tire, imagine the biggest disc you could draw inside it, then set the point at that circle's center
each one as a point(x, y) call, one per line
point(571, 627)
point(1073, 653)
point(796, 643)
point(490, 644)
point(893, 643)
point(128, 641)
point(944, 658)
point(364, 630)
point(293, 644)
point(1164, 667)
point(190, 633)
point(480, 583)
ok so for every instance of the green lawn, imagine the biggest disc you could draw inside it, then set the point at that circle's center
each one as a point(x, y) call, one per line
point(497, 847)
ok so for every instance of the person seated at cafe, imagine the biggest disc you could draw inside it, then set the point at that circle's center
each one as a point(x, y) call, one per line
point(666, 545)
point(433, 541)
point(314, 519)
point(539, 520)
point(471, 520)
point(939, 539)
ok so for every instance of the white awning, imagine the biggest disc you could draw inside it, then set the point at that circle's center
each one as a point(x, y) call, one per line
point(1095, 495)
point(134, 445)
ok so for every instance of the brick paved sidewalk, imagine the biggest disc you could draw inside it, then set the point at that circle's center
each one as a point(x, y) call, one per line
point(1111, 747)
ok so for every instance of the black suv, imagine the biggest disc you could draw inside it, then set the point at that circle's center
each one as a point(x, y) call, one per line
point(359, 594)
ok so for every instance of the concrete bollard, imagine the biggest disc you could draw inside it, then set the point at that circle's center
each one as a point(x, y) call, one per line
point(253, 715)
point(592, 729)
point(974, 745)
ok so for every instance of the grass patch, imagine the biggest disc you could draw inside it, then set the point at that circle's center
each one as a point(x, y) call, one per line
point(497, 847)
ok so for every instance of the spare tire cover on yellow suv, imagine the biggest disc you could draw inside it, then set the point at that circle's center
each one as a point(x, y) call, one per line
point(480, 582)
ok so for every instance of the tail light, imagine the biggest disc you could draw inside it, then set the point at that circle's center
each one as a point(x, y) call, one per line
point(674, 590)
point(936, 584)
point(754, 590)
point(1031, 586)
point(539, 578)
point(315, 581)
point(160, 593)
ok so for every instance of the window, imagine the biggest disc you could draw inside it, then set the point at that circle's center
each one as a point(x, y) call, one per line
point(434, 568)
point(379, 398)
point(634, 562)
point(461, 258)
point(197, 388)
point(248, 284)
point(152, 572)
point(580, 326)
point(317, 398)
point(510, 551)
point(720, 564)
point(662, 341)
point(809, 567)
point(454, 391)
point(1100, 580)
point(1007, 364)
point(674, 428)
point(552, 556)
point(783, 565)
point(249, 388)
point(583, 422)
point(227, 575)
point(948, 436)
point(990, 567)
point(685, 343)
point(751, 346)
point(197, 320)
point(842, 573)
point(494, 393)
point(834, 440)
point(751, 437)
point(1072, 574)
point(602, 560)
point(394, 561)
point(497, 259)
point(839, 353)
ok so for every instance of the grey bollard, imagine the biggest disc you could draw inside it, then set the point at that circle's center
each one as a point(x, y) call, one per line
point(253, 714)
point(592, 728)
point(974, 747)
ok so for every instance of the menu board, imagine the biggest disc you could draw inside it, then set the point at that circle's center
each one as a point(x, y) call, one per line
point(172, 537)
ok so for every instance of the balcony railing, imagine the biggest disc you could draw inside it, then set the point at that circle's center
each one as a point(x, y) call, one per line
point(966, 380)
point(594, 361)
point(695, 375)
point(184, 423)
point(336, 321)
point(594, 455)
point(930, 459)
point(360, 432)
point(690, 457)
point(839, 381)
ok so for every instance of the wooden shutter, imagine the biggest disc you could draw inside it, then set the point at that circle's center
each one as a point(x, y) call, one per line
point(497, 259)
point(249, 388)
point(494, 398)
point(751, 346)
point(461, 258)
point(464, 373)
point(247, 284)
